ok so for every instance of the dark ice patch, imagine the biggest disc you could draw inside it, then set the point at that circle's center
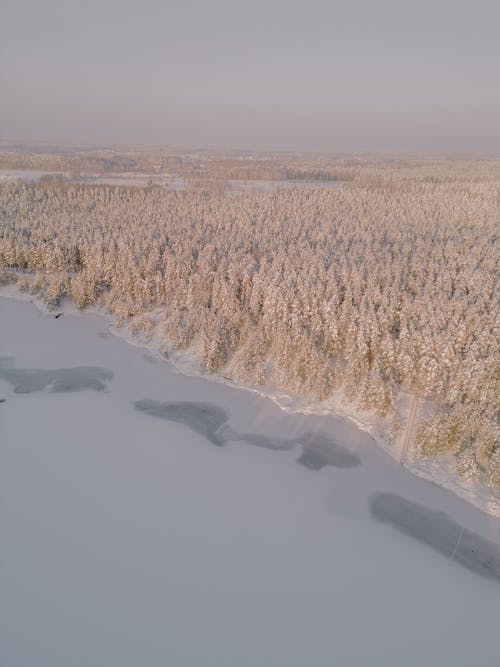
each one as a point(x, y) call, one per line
point(440, 532)
point(258, 440)
point(60, 380)
point(319, 450)
point(203, 418)
point(211, 421)
point(150, 358)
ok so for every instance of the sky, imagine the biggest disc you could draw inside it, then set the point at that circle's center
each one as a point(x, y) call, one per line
point(356, 75)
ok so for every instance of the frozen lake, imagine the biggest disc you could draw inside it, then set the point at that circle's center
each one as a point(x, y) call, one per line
point(149, 518)
point(172, 183)
point(11, 175)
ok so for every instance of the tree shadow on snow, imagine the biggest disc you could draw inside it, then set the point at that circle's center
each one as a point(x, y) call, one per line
point(440, 532)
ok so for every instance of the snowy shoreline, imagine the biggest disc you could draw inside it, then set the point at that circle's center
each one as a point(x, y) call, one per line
point(143, 504)
point(438, 470)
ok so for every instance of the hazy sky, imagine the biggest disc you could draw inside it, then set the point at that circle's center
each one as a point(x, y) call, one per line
point(332, 75)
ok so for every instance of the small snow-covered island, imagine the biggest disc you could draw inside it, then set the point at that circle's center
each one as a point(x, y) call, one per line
point(248, 409)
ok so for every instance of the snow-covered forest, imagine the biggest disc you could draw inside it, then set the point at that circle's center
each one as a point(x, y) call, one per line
point(383, 287)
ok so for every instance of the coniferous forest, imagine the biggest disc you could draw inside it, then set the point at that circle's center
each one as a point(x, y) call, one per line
point(384, 286)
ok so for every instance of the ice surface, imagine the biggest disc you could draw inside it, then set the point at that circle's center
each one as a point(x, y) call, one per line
point(128, 540)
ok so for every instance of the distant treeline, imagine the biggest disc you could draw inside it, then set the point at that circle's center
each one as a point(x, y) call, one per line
point(212, 167)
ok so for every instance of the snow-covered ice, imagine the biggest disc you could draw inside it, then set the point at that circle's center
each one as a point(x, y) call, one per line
point(151, 518)
point(167, 181)
point(11, 175)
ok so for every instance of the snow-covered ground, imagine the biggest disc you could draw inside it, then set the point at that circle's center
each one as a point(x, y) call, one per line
point(152, 518)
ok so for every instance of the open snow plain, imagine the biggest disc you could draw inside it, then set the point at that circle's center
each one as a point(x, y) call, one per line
point(149, 518)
